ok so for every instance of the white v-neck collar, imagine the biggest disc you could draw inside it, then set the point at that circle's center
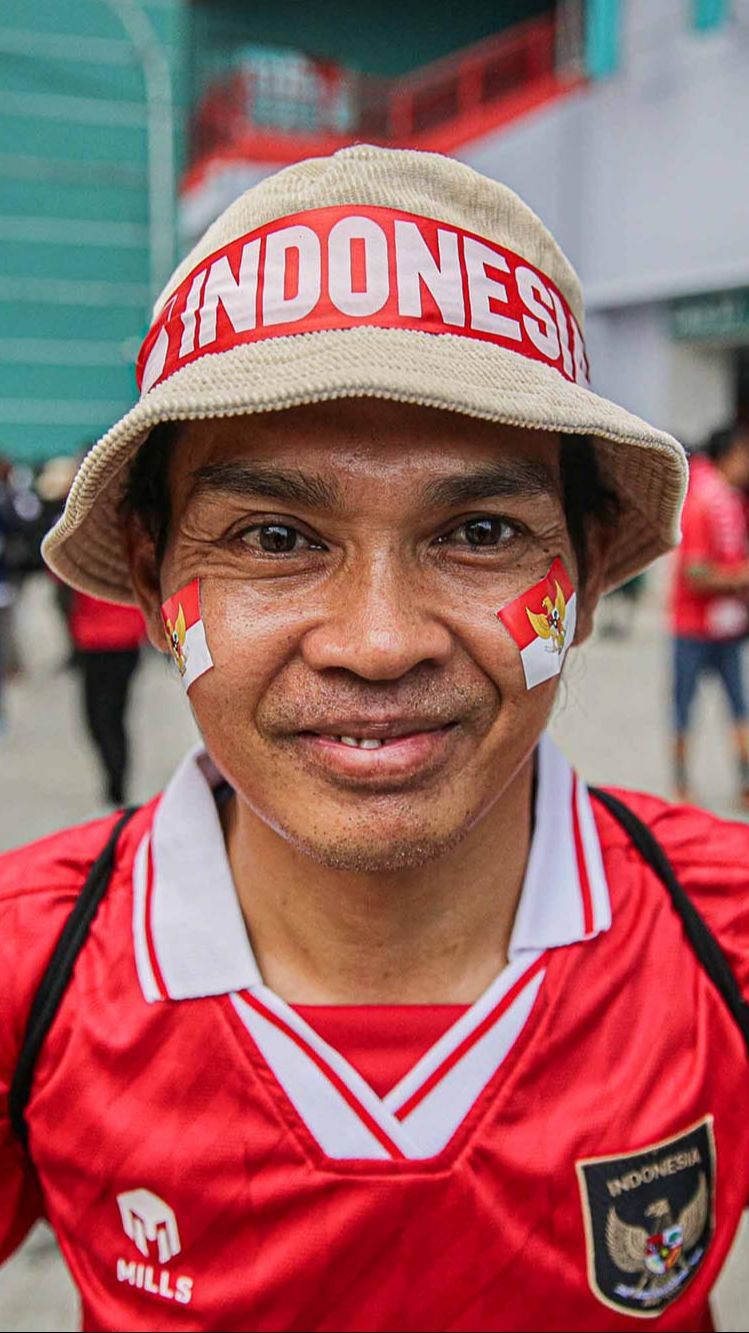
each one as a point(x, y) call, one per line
point(190, 941)
point(419, 1116)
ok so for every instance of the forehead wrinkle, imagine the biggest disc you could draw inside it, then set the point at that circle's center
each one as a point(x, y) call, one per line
point(250, 479)
point(512, 479)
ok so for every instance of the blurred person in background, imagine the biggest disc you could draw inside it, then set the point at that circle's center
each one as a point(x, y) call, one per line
point(20, 542)
point(710, 595)
point(7, 591)
point(105, 645)
point(53, 486)
point(22, 527)
point(107, 641)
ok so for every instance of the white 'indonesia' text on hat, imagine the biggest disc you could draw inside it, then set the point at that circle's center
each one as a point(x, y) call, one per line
point(373, 273)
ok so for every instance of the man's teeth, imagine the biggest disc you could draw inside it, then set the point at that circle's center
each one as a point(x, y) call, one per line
point(364, 743)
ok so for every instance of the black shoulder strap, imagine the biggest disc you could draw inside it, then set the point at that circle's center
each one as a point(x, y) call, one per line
point(700, 937)
point(57, 974)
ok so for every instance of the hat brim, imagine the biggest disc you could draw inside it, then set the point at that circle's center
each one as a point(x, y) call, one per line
point(646, 467)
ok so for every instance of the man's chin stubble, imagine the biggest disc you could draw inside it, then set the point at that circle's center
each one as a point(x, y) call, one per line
point(371, 855)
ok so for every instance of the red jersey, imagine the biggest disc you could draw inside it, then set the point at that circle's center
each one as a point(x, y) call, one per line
point(572, 1152)
point(714, 532)
point(98, 626)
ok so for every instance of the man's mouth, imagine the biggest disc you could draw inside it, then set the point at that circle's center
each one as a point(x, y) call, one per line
point(363, 742)
point(374, 734)
point(371, 751)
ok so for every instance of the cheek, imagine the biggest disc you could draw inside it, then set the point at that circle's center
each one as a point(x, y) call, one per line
point(523, 713)
point(519, 636)
point(497, 656)
point(251, 635)
point(255, 630)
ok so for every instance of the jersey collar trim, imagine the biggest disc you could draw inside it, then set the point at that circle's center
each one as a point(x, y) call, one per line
point(419, 1117)
point(565, 897)
point(189, 934)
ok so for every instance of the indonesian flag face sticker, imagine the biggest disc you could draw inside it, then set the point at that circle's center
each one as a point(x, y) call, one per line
point(542, 623)
point(185, 632)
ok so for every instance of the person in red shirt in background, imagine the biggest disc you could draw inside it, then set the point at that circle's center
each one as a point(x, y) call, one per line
point(710, 595)
point(107, 639)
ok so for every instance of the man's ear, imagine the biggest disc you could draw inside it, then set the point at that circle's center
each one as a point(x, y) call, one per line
point(144, 575)
point(599, 538)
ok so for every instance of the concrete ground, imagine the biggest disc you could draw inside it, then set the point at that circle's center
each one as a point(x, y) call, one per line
point(611, 720)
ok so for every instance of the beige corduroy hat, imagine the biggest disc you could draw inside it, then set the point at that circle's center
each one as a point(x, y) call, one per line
point(375, 273)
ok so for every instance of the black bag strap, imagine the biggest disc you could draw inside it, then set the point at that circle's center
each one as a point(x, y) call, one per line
point(57, 974)
point(700, 937)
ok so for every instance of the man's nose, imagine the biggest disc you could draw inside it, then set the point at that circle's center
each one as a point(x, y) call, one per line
point(379, 623)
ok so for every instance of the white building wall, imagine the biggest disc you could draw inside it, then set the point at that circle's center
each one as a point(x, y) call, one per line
point(644, 180)
point(702, 390)
point(666, 182)
point(684, 388)
point(629, 352)
point(539, 157)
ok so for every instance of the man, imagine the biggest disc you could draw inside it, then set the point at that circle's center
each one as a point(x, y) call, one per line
point(383, 1021)
point(710, 596)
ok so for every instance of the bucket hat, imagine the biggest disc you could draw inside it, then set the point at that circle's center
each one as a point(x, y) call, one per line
point(373, 273)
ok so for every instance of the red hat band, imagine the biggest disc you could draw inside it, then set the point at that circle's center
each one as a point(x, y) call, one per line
point(361, 266)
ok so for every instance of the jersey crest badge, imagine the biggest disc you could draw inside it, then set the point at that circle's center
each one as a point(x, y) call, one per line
point(648, 1220)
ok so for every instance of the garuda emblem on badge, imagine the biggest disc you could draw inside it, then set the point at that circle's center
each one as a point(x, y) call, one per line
point(648, 1220)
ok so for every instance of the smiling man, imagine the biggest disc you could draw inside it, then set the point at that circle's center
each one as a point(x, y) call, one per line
point(376, 1018)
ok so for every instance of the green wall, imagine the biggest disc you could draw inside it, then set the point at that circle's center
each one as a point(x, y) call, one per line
point(378, 36)
point(75, 281)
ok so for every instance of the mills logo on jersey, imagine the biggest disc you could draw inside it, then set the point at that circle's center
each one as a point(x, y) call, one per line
point(649, 1219)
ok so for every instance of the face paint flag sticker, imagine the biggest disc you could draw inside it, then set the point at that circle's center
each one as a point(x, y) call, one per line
point(185, 633)
point(542, 623)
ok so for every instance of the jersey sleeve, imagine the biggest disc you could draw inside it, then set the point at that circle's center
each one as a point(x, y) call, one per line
point(710, 857)
point(38, 887)
point(20, 1196)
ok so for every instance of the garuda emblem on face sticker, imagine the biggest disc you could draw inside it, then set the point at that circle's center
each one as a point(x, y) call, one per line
point(549, 622)
point(175, 633)
point(648, 1220)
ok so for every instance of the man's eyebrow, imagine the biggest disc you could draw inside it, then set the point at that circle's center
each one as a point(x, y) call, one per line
point(506, 480)
point(253, 479)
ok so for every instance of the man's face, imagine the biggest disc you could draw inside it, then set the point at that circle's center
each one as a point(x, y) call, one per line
point(352, 559)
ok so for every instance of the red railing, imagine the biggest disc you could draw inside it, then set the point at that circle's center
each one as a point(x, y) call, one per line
point(402, 110)
point(284, 110)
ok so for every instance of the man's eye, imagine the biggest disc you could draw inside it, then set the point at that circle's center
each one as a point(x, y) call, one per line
point(486, 531)
point(278, 539)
